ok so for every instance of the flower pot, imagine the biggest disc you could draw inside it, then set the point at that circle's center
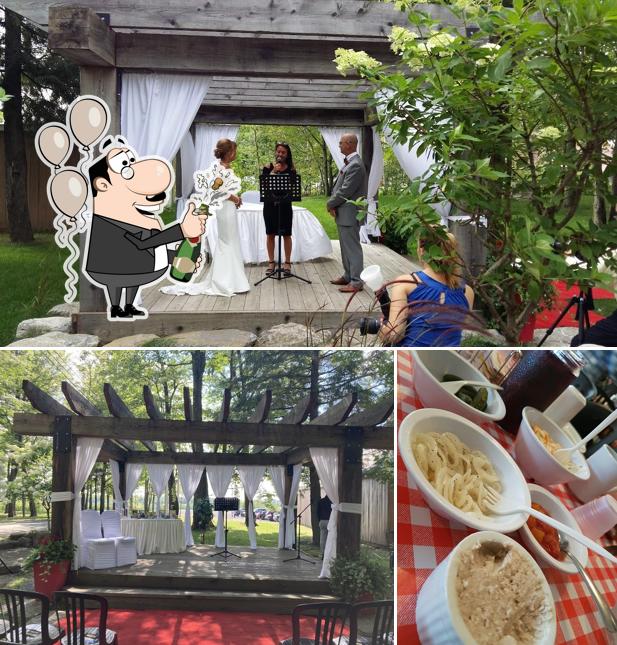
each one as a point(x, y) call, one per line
point(50, 577)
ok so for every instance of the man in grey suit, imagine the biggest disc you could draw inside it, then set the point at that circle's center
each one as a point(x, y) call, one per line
point(351, 184)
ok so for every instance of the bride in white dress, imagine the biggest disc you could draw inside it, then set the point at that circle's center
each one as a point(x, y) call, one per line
point(225, 276)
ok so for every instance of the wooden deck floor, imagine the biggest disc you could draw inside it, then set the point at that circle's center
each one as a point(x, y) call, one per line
point(320, 303)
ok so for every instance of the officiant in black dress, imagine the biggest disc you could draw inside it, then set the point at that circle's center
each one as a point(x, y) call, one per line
point(283, 165)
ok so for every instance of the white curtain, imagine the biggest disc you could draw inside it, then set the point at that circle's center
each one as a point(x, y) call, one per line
point(251, 477)
point(157, 110)
point(290, 536)
point(187, 164)
point(115, 482)
point(190, 476)
point(277, 473)
point(159, 477)
point(86, 454)
point(133, 473)
point(326, 464)
point(332, 136)
point(220, 478)
point(375, 178)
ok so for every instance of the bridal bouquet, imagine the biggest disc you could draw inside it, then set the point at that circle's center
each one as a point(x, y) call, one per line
point(213, 186)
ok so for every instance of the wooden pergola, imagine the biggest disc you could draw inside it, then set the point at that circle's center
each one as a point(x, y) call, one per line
point(256, 441)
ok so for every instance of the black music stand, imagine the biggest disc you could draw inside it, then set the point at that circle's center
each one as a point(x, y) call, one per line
point(298, 550)
point(584, 304)
point(279, 188)
point(226, 504)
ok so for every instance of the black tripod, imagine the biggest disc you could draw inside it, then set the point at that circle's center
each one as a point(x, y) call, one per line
point(226, 504)
point(298, 550)
point(278, 189)
point(584, 304)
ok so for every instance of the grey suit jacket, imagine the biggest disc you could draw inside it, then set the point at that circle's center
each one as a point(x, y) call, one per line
point(350, 184)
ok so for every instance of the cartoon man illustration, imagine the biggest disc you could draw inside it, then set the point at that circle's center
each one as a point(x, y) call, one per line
point(127, 246)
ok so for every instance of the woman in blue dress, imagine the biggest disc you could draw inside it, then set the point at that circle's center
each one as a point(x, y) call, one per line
point(428, 308)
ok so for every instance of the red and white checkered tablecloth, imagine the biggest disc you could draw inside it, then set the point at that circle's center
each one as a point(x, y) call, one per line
point(425, 539)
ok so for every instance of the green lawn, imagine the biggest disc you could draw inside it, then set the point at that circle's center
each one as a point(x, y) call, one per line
point(31, 281)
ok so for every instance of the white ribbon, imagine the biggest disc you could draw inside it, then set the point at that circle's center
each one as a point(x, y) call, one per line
point(348, 507)
point(62, 496)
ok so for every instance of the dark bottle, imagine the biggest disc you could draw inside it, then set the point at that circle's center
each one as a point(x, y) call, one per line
point(185, 261)
point(537, 380)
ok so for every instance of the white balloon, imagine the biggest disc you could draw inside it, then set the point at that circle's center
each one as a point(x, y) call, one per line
point(88, 118)
point(53, 144)
point(68, 192)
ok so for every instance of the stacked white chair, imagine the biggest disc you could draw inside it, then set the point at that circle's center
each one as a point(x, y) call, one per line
point(96, 551)
point(126, 547)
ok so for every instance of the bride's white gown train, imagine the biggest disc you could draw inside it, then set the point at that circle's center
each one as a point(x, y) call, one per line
point(225, 276)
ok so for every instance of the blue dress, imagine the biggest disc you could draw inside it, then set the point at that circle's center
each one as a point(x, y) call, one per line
point(437, 327)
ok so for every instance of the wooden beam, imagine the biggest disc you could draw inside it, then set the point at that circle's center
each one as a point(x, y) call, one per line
point(321, 18)
point(111, 450)
point(298, 456)
point(207, 458)
point(154, 412)
point(300, 412)
point(350, 490)
point(282, 116)
point(62, 474)
point(79, 34)
point(377, 414)
point(272, 434)
point(260, 57)
point(337, 413)
point(120, 410)
point(42, 401)
point(260, 414)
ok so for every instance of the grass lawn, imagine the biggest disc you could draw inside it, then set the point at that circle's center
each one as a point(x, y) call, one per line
point(31, 281)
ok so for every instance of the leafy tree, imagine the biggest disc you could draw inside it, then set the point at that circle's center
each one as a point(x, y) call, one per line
point(518, 115)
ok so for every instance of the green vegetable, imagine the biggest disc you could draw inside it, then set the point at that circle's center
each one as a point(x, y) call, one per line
point(475, 397)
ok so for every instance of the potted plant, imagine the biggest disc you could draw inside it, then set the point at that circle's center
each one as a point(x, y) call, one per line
point(50, 562)
point(362, 577)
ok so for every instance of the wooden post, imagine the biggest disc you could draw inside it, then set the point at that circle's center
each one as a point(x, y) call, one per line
point(101, 82)
point(122, 469)
point(289, 471)
point(367, 147)
point(63, 465)
point(350, 491)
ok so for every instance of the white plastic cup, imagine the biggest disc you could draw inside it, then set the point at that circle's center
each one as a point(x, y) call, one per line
point(566, 406)
point(603, 478)
point(372, 277)
point(597, 517)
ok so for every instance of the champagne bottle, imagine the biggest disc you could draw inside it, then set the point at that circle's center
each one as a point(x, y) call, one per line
point(185, 260)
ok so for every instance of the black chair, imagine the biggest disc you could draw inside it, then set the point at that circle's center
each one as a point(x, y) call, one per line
point(377, 623)
point(330, 621)
point(15, 626)
point(74, 606)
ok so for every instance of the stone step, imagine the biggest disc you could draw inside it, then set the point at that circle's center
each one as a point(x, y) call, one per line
point(192, 600)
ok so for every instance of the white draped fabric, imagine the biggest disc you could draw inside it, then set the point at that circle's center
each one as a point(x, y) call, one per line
point(133, 473)
point(157, 110)
point(190, 476)
point(115, 482)
point(251, 477)
point(155, 536)
point(220, 478)
point(159, 477)
point(85, 457)
point(375, 178)
point(277, 474)
point(326, 464)
point(332, 136)
point(289, 507)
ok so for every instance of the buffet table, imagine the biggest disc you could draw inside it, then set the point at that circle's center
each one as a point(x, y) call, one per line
point(425, 539)
point(155, 535)
point(310, 240)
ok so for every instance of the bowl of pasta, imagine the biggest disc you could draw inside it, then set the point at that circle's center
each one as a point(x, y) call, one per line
point(454, 462)
point(477, 404)
point(543, 541)
point(537, 441)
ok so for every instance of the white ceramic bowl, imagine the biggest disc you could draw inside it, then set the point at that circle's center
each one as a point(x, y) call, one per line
point(558, 511)
point(514, 487)
point(536, 461)
point(429, 369)
point(438, 617)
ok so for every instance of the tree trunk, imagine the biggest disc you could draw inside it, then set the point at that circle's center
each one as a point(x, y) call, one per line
point(11, 474)
point(16, 171)
point(315, 486)
point(103, 483)
point(198, 363)
point(32, 505)
point(612, 213)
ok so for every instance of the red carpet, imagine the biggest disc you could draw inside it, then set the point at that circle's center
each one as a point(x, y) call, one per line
point(545, 319)
point(194, 628)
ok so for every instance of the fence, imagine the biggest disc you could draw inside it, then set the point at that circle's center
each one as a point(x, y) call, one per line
point(377, 512)
point(41, 214)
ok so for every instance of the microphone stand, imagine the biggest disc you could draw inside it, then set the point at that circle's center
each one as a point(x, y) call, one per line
point(298, 550)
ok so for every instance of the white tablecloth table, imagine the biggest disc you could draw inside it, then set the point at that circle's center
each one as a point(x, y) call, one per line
point(310, 239)
point(155, 535)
